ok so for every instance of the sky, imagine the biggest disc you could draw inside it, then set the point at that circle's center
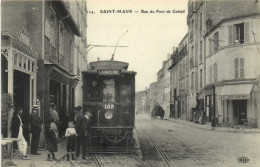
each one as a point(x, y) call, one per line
point(150, 36)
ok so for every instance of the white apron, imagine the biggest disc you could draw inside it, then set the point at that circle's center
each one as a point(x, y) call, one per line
point(22, 144)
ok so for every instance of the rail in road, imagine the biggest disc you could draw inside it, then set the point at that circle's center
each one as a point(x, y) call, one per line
point(167, 163)
point(99, 164)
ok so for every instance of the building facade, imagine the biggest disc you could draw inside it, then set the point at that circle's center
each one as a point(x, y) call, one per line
point(53, 32)
point(183, 79)
point(235, 80)
point(163, 79)
point(202, 17)
point(153, 95)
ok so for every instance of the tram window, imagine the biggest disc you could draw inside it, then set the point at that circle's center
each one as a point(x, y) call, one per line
point(125, 91)
point(94, 92)
point(109, 90)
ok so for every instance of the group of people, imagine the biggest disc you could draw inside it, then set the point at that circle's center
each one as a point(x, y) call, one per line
point(77, 133)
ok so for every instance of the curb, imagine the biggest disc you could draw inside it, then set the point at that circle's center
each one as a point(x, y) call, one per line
point(218, 129)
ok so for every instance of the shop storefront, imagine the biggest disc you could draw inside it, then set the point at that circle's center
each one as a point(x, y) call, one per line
point(19, 75)
point(57, 86)
point(241, 102)
point(210, 103)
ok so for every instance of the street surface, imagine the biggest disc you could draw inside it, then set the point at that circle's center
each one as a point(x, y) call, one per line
point(169, 143)
point(184, 145)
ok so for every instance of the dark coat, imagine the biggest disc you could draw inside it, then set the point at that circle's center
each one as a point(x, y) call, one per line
point(35, 121)
point(51, 140)
point(15, 125)
point(82, 126)
point(213, 122)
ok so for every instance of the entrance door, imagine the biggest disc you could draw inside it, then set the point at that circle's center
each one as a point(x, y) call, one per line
point(22, 99)
point(240, 109)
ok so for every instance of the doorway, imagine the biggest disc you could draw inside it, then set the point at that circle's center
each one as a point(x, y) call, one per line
point(21, 96)
point(240, 109)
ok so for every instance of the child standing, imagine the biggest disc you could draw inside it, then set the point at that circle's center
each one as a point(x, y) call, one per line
point(71, 140)
point(213, 123)
point(51, 140)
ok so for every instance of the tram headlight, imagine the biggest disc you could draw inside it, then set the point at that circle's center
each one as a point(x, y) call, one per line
point(109, 115)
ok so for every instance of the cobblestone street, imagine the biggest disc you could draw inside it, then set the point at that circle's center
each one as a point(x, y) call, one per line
point(184, 145)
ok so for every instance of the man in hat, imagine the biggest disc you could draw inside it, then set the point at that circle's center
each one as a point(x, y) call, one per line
point(36, 129)
point(83, 131)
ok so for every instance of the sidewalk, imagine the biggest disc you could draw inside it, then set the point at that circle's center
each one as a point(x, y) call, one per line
point(38, 160)
point(206, 126)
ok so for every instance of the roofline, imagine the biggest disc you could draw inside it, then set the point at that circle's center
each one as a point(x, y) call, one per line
point(230, 19)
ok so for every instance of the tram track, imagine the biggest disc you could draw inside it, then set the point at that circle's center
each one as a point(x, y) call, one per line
point(165, 161)
point(99, 164)
point(191, 150)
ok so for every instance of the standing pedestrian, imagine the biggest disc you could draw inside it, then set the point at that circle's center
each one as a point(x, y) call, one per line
point(213, 123)
point(71, 140)
point(51, 140)
point(17, 132)
point(36, 129)
point(82, 129)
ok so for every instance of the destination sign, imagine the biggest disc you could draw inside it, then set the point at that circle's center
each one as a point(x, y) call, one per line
point(109, 71)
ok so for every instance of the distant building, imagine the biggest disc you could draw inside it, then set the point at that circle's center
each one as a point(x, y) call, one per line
point(163, 79)
point(139, 102)
point(153, 95)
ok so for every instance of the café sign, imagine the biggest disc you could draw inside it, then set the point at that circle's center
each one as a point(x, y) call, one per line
point(109, 71)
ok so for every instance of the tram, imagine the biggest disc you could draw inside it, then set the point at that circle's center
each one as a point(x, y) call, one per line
point(109, 95)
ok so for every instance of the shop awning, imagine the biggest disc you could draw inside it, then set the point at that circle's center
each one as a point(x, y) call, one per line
point(236, 92)
point(202, 96)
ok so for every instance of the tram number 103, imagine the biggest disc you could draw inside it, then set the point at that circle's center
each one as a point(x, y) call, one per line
point(109, 106)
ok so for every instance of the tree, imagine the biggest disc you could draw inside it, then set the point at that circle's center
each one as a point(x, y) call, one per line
point(6, 106)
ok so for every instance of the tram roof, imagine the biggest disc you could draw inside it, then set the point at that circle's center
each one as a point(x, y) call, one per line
point(108, 64)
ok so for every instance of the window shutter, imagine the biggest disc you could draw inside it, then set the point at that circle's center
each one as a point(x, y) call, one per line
point(236, 68)
point(242, 74)
point(230, 35)
point(246, 30)
point(210, 74)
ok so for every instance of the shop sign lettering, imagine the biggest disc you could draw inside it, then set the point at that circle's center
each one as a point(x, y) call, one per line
point(109, 72)
point(234, 97)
